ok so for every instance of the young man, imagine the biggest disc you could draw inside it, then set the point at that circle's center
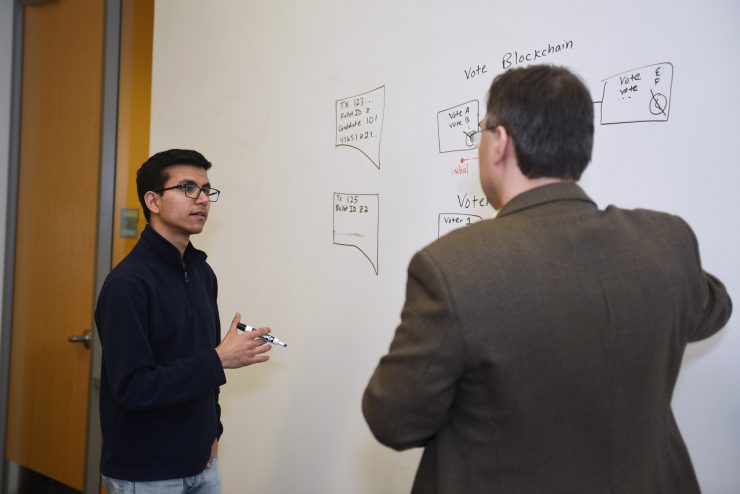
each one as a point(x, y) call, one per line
point(159, 327)
point(538, 351)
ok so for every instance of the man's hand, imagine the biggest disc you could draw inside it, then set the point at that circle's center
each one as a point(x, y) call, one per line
point(214, 453)
point(239, 350)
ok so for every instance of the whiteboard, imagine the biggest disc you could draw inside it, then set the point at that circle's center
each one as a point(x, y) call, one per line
point(337, 130)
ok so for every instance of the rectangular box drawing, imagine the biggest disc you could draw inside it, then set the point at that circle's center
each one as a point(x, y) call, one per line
point(455, 126)
point(360, 123)
point(356, 223)
point(638, 95)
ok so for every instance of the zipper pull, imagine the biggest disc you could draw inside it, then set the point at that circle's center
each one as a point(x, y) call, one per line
point(185, 271)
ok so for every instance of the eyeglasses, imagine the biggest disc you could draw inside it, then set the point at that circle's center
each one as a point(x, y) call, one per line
point(193, 191)
point(474, 138)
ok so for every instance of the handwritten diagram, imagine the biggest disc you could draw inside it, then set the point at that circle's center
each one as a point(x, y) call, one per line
point(356, 223)
point(456, 125)
point(360, 123)
point(452, 221)
point(638, 95)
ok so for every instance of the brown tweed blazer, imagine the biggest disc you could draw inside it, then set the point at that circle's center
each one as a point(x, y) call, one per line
point(538, 351)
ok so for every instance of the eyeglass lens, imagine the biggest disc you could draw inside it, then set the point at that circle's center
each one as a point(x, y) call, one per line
point(477, 137)
point(193, 191)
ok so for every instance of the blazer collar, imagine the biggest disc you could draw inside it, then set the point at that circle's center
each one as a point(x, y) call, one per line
point(560, 191)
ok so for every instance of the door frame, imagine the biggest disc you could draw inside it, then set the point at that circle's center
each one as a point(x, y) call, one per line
point(11, 195)
point(105, 223)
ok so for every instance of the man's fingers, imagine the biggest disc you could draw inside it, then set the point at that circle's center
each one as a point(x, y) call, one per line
point(254, 336)
point(260, 331)
point(259, 349)
point(234, 322)
point(262, 349)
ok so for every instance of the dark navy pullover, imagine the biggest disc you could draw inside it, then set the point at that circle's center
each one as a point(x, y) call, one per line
point(158, 323)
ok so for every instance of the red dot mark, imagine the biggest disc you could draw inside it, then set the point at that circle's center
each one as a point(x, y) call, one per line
point(463, 160)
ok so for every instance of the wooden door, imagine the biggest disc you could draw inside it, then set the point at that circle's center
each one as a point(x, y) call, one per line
point(55, 240)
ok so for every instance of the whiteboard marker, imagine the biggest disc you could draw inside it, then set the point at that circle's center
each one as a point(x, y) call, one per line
point(265, 337)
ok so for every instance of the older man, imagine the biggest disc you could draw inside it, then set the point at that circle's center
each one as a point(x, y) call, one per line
point(538, 351)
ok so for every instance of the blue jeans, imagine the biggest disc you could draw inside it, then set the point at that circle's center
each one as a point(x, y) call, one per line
point(206, 482)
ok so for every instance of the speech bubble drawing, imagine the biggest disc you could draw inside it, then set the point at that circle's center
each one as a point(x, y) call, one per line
point(456, 125)
point(356, 223)
point(360, 123)
point(453, 221)
point(638, 95)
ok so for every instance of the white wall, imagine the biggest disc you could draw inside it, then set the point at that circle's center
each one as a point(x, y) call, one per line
point(254, 86)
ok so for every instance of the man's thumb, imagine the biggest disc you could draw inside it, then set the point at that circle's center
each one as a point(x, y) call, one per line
point(234, 322)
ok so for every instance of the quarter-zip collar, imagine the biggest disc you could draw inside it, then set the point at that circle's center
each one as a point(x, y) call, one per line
point(169, 255)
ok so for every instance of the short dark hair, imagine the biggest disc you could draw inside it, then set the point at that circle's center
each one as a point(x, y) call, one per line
point(152, 174)
point(549, 113)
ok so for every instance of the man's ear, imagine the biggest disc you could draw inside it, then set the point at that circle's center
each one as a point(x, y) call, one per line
point(151, 199)
point(502, 144)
